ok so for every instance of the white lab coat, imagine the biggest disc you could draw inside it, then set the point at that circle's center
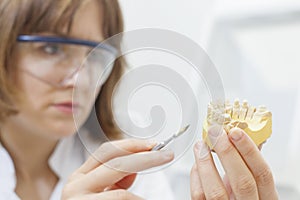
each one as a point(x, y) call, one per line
point(67, 157)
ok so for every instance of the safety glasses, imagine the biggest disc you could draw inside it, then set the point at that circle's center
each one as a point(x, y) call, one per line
point(55, 60)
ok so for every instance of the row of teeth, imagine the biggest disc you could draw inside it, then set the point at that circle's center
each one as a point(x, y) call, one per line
point(223, 113)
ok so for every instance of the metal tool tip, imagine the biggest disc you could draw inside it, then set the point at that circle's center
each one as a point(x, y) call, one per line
point(182, 130)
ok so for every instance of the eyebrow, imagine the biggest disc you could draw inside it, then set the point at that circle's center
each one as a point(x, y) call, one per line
point(65, 40)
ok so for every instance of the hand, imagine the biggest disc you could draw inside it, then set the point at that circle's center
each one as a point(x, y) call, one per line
point(247, 175)
point(112, 169)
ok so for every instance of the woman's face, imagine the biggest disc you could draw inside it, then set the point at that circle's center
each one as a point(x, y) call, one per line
point(46, 109)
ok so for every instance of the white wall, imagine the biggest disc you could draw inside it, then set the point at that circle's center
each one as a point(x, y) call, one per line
point(255, 46)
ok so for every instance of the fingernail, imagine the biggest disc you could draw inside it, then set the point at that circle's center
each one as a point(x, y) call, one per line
point(201, 150)
point(167, 154)
point(214, 133)
point(235, 134)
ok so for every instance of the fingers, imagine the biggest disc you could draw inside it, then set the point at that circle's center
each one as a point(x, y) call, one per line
point(242, 182)
point(116, 169)
point(213, 185)
point(112, 169)
point(247, 174)
point(111, 195)
point(255, 162)
point(110, 150)
point(228, 187)
point(124, 183)
point(197, 192)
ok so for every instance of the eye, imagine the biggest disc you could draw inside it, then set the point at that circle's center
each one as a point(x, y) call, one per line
point(51, 49)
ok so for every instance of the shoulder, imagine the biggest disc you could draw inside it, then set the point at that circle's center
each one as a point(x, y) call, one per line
point(7, 174)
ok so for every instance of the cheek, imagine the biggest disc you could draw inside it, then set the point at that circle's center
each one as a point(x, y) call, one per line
point(87, 98)
point(33, 95)
point(36, 112)
point(35, 106)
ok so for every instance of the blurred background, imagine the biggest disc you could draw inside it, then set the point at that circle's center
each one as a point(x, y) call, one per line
point(255, 46)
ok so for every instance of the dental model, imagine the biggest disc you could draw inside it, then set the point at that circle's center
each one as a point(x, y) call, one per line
point(256, 122)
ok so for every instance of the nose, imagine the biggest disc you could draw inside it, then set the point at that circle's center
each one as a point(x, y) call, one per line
point(70, 80)
point(80, 69)
point(75, 64)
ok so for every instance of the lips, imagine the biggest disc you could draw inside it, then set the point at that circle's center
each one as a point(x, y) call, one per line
point(67, 107)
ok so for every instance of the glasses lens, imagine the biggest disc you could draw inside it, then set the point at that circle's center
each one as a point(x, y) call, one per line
point(55, 62)
point(98, 65)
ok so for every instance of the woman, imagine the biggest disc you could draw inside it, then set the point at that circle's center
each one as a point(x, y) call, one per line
point(43, 43)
